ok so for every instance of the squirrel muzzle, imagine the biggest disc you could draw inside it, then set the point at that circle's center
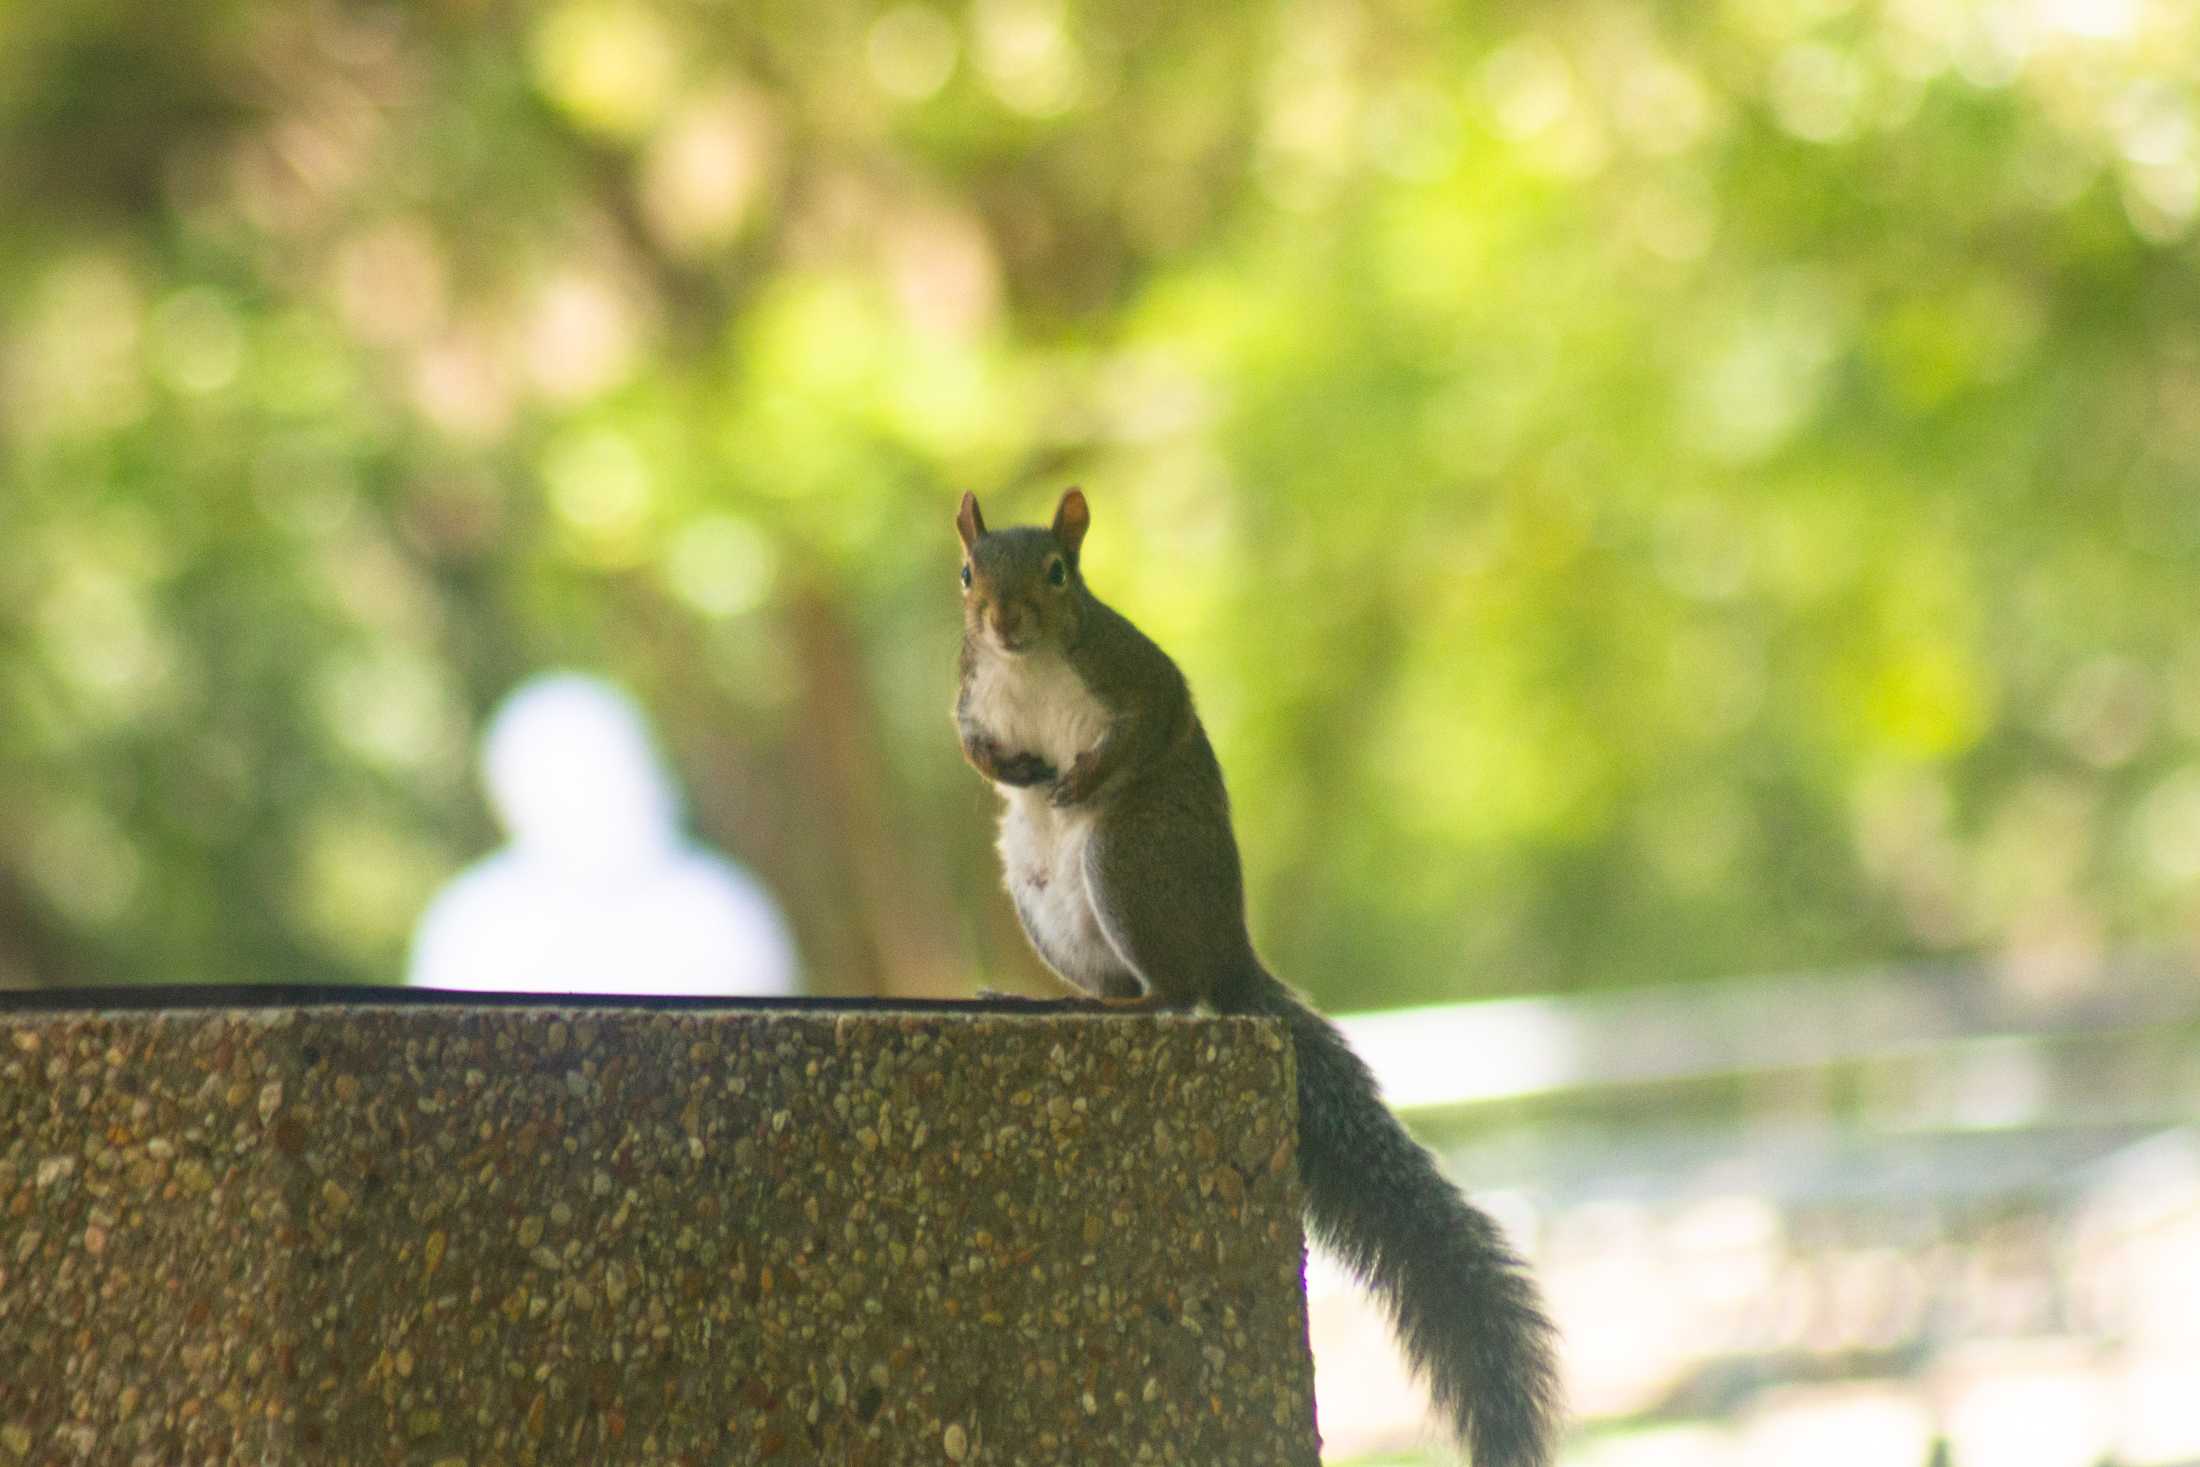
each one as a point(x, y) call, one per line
point(1014, 625)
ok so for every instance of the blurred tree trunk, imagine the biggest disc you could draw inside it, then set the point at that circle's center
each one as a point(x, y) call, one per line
point(31, 955)
point(900, 936)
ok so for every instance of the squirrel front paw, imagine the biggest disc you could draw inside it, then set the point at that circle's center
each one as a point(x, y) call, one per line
point(1074, 785)
point(995, 763)
point(1022, 770)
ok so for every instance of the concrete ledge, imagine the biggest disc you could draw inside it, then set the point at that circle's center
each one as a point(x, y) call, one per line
point(466, 1233)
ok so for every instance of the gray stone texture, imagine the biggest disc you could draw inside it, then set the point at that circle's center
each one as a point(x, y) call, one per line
point(481, 1235)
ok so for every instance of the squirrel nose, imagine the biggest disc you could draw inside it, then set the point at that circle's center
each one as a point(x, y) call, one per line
point(1011, 620)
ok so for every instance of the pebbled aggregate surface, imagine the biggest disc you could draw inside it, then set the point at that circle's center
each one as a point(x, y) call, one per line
point(460, 1237)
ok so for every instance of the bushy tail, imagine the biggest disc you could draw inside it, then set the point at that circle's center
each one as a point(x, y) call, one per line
point(1460, 1299)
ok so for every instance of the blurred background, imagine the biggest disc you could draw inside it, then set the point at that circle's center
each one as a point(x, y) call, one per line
point(1647, 494)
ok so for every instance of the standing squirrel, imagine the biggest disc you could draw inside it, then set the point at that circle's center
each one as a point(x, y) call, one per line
point(1120, 857)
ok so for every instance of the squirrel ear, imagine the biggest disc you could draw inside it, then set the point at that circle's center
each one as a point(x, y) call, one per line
point(968, 522)
point(1071, 520)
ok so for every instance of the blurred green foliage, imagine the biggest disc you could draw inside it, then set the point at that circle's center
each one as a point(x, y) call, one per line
point(1641, 491)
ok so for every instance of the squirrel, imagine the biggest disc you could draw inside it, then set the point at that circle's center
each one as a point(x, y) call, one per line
point(1119, 854)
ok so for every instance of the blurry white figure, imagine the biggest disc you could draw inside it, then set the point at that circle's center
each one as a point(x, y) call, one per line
point(599, 891)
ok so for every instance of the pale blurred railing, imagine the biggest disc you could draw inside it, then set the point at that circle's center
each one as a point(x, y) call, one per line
point(1854, 1217)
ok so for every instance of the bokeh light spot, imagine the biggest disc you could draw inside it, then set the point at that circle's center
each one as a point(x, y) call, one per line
point(1028, 56)
point(196, 344)
point(1529, 85)
point(582, 336)
point(600, 486)
point(721, 565)
point(609, 65)
point(911, 51)
point(706, 171)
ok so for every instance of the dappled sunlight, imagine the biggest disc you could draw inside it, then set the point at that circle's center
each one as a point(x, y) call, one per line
point(1698, 497)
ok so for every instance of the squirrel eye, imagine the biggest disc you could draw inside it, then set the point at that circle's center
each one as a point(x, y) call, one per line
point(1057, 573)
point(966, 577)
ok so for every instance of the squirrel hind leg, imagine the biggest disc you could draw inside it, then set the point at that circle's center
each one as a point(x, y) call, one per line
point(1121, 989)
point(1139, 1003)
point(1184, 952)
point(1116, 990)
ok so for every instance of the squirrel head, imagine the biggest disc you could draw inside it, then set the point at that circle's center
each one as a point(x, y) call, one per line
point(1021, 587)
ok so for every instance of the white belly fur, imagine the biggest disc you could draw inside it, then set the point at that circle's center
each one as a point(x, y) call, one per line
point(1035, 705)
point(1043, 861)
point(1039, 705)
